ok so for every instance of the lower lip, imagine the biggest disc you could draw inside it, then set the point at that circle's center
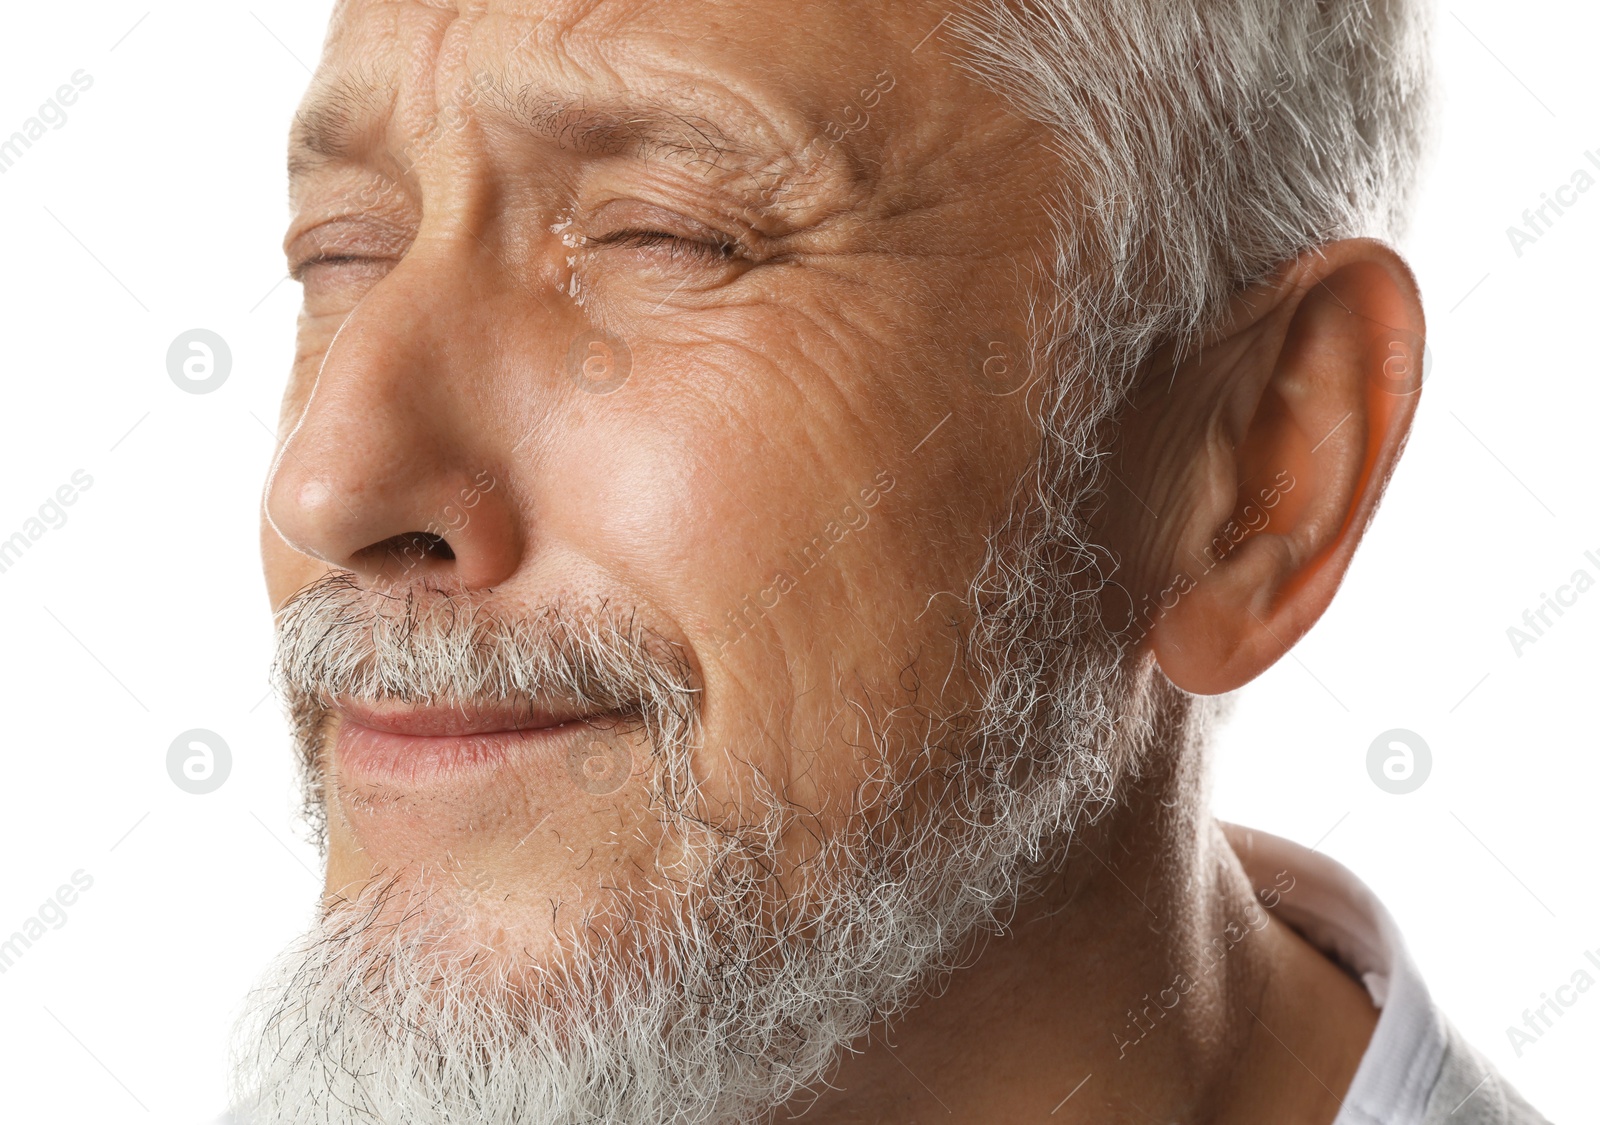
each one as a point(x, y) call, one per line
point(367, 755)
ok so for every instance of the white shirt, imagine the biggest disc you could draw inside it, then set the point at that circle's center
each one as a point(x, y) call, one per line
point(1417, 1070)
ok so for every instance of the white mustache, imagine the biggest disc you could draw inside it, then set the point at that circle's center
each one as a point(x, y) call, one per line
point(336, 640)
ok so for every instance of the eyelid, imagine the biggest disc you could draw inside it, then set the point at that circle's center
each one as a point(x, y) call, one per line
point(720, 248)
point(620, 219)
point(346, 240)
point(298, 271)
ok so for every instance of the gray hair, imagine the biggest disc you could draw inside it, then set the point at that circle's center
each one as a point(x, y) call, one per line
point(1207, 142)
point(1203, 143)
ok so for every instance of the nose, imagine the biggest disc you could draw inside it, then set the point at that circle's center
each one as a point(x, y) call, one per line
point(394, 471)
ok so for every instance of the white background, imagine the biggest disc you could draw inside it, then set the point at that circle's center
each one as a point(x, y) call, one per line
point(158, 208)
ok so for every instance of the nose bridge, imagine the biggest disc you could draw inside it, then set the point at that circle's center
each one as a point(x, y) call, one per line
point(394, 470)
point(388, 377)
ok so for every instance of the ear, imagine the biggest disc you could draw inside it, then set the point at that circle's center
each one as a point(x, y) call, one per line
point(1310, 399)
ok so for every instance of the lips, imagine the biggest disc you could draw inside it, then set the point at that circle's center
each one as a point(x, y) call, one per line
point(410, 745)
point(450, 722)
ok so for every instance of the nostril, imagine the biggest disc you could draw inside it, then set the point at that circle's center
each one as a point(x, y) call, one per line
point(404, 551)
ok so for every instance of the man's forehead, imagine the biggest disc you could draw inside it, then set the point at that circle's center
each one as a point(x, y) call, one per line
point(346, 110)
point(687, 79)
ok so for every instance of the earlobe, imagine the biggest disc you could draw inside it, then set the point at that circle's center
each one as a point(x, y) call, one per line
point(1307, 427)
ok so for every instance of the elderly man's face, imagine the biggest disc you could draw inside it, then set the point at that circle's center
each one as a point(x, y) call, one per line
point(699, 320)
point(673, 711)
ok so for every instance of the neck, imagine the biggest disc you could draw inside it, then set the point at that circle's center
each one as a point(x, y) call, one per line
point(1143, 982)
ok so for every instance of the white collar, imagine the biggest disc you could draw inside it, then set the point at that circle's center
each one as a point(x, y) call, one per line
point(1339, 915)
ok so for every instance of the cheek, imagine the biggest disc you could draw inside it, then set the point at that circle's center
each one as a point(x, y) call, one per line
point(654, 507)
point(692, 481)
point(702, 494)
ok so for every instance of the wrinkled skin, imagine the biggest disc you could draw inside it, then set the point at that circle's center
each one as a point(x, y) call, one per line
point(672, 292)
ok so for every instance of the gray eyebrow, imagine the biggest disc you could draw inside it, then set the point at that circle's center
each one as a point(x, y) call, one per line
point(329, 125)
point(601, 127)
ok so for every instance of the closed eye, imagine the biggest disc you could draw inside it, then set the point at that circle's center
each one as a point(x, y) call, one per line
point(299, 271)
point(676, 247)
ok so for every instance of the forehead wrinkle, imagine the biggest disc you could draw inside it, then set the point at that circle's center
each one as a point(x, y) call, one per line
point(741, 146)
point(786, 161)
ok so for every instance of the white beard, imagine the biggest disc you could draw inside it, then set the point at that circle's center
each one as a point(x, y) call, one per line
point(715, 1000)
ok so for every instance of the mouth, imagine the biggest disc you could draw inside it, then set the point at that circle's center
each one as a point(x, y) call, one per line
point(407, 744)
